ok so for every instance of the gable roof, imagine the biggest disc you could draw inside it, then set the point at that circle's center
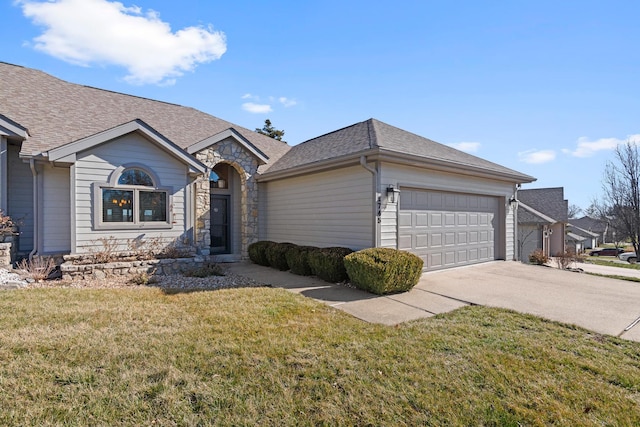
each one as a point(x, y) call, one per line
point(67, 153)
point(55, 113)
point(373, 137)
point(527, 214)
point(590, 224)
point(549, 201)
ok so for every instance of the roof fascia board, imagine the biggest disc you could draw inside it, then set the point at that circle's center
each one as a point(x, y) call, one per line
point(319, 166)
point(11, 129)
point(229, 133)
point(448, 166)
point(537, 213)
point(67, 152)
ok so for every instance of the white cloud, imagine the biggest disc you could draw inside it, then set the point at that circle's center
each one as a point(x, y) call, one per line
point(87, 32)
point(537, 156)
point(247, 96)
point(469, 147)
point(287, 102)
point(256, 108)
point(586, 148)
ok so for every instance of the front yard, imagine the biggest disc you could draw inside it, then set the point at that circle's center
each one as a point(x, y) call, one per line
point(262, 356)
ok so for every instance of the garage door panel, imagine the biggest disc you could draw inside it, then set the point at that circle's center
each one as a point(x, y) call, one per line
point(469, 221)
point(421, 219)
point(404, 219)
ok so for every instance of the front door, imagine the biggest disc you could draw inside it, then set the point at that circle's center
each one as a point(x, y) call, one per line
point(220, 224)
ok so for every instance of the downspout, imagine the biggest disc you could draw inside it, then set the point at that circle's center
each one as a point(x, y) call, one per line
point(36, 222)
point(376, 205)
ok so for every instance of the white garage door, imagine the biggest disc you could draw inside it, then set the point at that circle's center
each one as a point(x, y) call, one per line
point(448, 229)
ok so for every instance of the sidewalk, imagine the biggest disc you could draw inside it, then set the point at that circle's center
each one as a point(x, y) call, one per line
point(602, 269)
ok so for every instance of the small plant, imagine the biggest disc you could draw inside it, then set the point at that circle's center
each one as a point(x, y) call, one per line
point(565, 259)
point(143, 278)
point(37, 268)
point(538, 257)
point(7, 225)
point(107, 252)
point(207, 270)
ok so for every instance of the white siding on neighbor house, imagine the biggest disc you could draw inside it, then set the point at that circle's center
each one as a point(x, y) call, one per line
point(56, 210)
point(20, 197)
point(419, 178)
point(95, 166)
point(332, 208)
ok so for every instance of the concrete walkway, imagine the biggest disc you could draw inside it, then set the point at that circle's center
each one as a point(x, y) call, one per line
point(604, 305)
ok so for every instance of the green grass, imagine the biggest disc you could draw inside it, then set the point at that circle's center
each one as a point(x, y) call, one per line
point(261, 356)
point(610, 262)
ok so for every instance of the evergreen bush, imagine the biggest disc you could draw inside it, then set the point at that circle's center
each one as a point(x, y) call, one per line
point(383, 270)
point(328, 263)
point(258, 252)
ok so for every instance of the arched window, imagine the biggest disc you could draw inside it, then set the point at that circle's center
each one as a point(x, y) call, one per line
point(135, 176)
point(133, 197)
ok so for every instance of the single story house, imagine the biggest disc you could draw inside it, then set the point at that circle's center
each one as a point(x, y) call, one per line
point(589, 238)
point(542, 221)
point(80, 165)
point(600, 228)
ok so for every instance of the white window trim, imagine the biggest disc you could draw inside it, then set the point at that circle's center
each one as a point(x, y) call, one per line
point(112, 184)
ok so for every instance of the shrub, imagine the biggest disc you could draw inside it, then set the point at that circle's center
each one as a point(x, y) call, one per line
point(383, 270)
point(207, 270)
point(538, 257)
point(298, 260)
point(258, 252)
point(277, 255)
point(143, 279)
point(38, 268)
point(328, 263)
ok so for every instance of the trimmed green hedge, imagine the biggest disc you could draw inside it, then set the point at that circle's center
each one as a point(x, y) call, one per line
point(298, 260)
point(258, 252)
point(383, 270)
point(328, 263)
point(277, 255)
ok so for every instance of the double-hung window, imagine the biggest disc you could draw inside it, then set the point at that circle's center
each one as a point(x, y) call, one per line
point(133, 199)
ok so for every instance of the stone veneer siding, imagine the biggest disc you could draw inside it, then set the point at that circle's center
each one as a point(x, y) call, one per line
point(5, 255)
point(73, 271)
point(231, 152)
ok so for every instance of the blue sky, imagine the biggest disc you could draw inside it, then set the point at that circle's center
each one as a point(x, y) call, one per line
point(548, 88)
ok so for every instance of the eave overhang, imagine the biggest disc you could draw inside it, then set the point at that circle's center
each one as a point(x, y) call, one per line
point(229, 133)
point(377, 154)
point(66, 154)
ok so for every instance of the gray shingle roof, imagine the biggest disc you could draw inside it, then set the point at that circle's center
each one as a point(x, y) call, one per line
point(590, 224)
point(56, 112)
point(373, 134)
point(549, 201)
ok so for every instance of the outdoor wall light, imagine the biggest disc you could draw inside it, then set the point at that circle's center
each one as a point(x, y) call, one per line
point(513, 201)
point(392, 193)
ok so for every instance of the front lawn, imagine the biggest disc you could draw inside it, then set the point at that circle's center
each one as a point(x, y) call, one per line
point(261, 356)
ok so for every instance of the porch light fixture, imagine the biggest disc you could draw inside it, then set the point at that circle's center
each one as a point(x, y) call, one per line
point(222, 183)
point(513, 201)
point(392, 194)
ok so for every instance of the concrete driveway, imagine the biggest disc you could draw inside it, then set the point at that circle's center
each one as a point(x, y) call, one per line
point(604, 305)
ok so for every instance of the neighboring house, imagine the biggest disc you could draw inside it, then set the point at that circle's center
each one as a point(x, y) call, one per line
point(596, 226)
point(589, 239)
point(542, 220)
point(80, 165)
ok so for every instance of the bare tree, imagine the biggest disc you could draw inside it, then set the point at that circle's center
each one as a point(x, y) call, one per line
point(574, 211)
point(621, 186)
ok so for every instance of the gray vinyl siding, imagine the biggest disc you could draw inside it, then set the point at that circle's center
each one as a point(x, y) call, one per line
point(95, 166)
point(20, 197)
point(333, 208)
point(529, 239)
point(3, 173)
point(408, 176)
point(56, 212)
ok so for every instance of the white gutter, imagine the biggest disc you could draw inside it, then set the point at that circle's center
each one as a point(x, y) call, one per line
point(36, 222)
point(516, 255)
point(376, 204)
